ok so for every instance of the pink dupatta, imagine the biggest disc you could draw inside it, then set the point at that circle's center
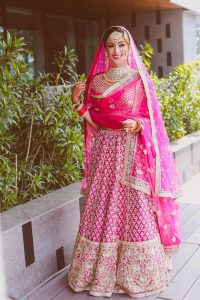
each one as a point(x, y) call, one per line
point(163, 178)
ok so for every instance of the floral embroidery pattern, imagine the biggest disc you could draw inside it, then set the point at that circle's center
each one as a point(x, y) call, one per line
point(118, 248)
point(137, 269)
point(110, 209)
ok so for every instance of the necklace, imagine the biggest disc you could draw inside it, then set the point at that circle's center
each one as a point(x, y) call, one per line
point(116, 74)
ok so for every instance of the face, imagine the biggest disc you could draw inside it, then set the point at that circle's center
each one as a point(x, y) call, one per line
point(117, 52)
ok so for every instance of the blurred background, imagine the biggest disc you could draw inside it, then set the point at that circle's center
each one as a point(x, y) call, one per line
point(171, 27)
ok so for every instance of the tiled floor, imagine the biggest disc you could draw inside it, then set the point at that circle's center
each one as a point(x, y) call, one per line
point(185, 276)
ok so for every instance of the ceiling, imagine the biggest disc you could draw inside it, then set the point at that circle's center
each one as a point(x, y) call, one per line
point(95, 8)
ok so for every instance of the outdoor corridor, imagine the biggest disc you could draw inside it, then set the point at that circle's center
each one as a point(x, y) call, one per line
point(185, 275)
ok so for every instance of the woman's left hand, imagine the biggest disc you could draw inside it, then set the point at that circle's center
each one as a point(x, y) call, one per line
point(130, 125)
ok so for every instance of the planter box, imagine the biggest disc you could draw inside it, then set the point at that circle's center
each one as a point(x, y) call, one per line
point(38, 236)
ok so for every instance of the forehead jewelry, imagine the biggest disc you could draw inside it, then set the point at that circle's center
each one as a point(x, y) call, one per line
point(117, 36)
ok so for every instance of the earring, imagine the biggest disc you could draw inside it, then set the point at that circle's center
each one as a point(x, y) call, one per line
point(129, 59)
point(107, 61)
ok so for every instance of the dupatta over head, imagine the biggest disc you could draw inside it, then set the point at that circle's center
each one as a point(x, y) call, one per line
point(163, 179)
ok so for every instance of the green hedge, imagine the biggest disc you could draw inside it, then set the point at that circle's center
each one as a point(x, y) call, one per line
point(41, 136)
point(179, 96)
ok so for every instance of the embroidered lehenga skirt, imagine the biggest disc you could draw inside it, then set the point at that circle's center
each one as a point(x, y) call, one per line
point(118, 248)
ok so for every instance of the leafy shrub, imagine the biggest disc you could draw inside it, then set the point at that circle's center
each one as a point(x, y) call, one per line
point(146, 52)
point(179, 96)
point(41, 140)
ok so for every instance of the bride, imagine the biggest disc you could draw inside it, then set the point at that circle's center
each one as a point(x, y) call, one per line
point(129, 227)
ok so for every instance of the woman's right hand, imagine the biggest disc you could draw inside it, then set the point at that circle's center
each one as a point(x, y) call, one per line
point(78, 89)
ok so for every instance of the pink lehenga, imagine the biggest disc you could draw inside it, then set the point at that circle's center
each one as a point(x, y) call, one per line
point(129, 225)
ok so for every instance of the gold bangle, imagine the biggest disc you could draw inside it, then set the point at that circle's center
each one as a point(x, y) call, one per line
point(79, 106)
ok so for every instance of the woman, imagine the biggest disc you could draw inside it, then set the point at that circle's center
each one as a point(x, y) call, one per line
point(129, 227)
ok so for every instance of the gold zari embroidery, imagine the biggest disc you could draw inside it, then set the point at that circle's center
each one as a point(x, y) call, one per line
point(131, 75)
point(127, 179)
point(138, 269)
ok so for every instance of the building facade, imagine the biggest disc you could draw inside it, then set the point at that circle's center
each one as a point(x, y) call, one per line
point(170, 29)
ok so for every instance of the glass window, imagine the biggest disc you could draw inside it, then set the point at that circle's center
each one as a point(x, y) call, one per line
point(27, 23)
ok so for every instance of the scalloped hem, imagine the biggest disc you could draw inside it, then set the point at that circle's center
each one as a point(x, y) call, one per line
point(121, 291)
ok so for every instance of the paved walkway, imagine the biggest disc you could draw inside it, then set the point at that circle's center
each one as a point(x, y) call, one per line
point(191, 191)
point(185, 276)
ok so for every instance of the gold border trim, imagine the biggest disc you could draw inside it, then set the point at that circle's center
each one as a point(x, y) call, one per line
point(144, 79)
point(135, 244)
point(131, 181)
point(130, 75)
point(138, 184)
point(115, 291)
point(158, 191)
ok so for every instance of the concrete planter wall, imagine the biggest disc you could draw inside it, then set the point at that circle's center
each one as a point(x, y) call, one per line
point(38, 236)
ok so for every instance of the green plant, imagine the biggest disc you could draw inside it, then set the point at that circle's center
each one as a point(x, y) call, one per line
point(179, 96)
point(41, 140)
point(146, 52)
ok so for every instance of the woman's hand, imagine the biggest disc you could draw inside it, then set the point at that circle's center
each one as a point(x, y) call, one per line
point(130, 125)
point(78, 89)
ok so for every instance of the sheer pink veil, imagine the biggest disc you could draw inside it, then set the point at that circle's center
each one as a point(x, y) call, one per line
point(164, 179)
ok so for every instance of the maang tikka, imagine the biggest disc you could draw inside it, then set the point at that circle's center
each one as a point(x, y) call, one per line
point(117, 36)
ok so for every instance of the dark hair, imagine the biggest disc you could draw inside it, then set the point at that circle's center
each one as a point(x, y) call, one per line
point(108, 32)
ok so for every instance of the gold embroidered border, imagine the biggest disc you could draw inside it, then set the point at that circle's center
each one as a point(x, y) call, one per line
point(119, 84)
point(158, 190)
point(171, 250)
point(138, 184)
point(144, 79)
point(142, 267)
point(120, 291)
point(121, 242)
point(129, 157)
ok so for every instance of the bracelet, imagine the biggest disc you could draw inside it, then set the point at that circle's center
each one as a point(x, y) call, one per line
point(82, 110)
point(75, 105)
point(139, 126)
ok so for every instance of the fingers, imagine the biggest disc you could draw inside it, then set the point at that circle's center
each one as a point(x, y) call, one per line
point(129, 124)
point(78, 89)
point(128, 129)
point(81, 85)
point(128, 121)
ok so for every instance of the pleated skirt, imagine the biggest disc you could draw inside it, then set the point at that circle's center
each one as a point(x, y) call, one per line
point(118, 247)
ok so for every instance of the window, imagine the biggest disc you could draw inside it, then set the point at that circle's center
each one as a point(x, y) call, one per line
point(158, 17)
point(160, 72)
point(159, 45)
point(146, 33)
point(168, 30)
point(19, 21)
point(169, 59)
